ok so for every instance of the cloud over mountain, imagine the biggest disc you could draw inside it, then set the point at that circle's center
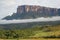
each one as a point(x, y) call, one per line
point(42, 19)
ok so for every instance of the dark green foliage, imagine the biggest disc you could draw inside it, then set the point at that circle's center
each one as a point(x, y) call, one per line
point(19, 33)
point(9, 34)
point(52, 36)
point(27, 25)
point(25, 30)
point(24, 33)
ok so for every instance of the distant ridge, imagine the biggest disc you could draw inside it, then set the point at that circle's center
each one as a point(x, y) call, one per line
point(33, 11)
point(28, 25)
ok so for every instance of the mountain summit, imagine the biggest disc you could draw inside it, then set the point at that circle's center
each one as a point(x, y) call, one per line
point(33, 11)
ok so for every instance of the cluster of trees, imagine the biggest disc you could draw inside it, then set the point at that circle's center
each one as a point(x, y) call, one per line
point(52, 36)
point(9, 34)
point(19, 33)
point(24, 33)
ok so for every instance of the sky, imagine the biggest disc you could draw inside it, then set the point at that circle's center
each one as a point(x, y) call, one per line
point(8, 7)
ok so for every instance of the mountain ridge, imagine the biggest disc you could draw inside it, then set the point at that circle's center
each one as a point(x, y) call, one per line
point(33, 11)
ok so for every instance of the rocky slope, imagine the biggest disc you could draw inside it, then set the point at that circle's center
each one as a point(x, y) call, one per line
point(33, 11)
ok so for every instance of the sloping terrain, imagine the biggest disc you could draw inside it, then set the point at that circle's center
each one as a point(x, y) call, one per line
point(37, 31)
point(33, 11)
point(28, 25)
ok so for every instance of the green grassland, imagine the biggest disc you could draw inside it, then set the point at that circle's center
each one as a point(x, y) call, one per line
point(35, 32)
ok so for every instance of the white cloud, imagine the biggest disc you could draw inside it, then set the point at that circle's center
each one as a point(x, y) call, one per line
point(55, 18)
point(51, 3)
point(7, 7)
point(48, 3)
point(8, 2)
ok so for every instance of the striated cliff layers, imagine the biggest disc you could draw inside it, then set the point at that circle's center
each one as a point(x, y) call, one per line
point(33, 11)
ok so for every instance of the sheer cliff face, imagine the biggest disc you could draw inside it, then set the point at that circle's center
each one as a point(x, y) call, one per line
point(33, 11)
point(38, 9)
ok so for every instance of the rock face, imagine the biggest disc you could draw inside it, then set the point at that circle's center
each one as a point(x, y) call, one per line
point(33, 11)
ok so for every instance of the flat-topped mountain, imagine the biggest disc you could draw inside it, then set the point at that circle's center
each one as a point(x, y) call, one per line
point(33, 11)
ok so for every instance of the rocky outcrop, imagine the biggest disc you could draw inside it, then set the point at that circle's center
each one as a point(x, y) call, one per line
point(33, 11)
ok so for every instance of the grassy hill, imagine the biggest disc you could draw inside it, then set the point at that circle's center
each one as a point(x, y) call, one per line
point(47, 31)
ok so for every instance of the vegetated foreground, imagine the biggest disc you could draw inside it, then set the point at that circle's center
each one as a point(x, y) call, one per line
point(30, 39)
point(36, 32)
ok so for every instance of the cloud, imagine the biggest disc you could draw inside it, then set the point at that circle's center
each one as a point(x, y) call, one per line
point(42, 19)
point(7, 7)
point(51, 3)
point(47, 3)
point(7, 2)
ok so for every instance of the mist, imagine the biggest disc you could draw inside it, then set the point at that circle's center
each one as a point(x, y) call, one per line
point(40, 19)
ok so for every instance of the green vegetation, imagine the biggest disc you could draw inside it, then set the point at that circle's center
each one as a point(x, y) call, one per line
point(34, 32)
